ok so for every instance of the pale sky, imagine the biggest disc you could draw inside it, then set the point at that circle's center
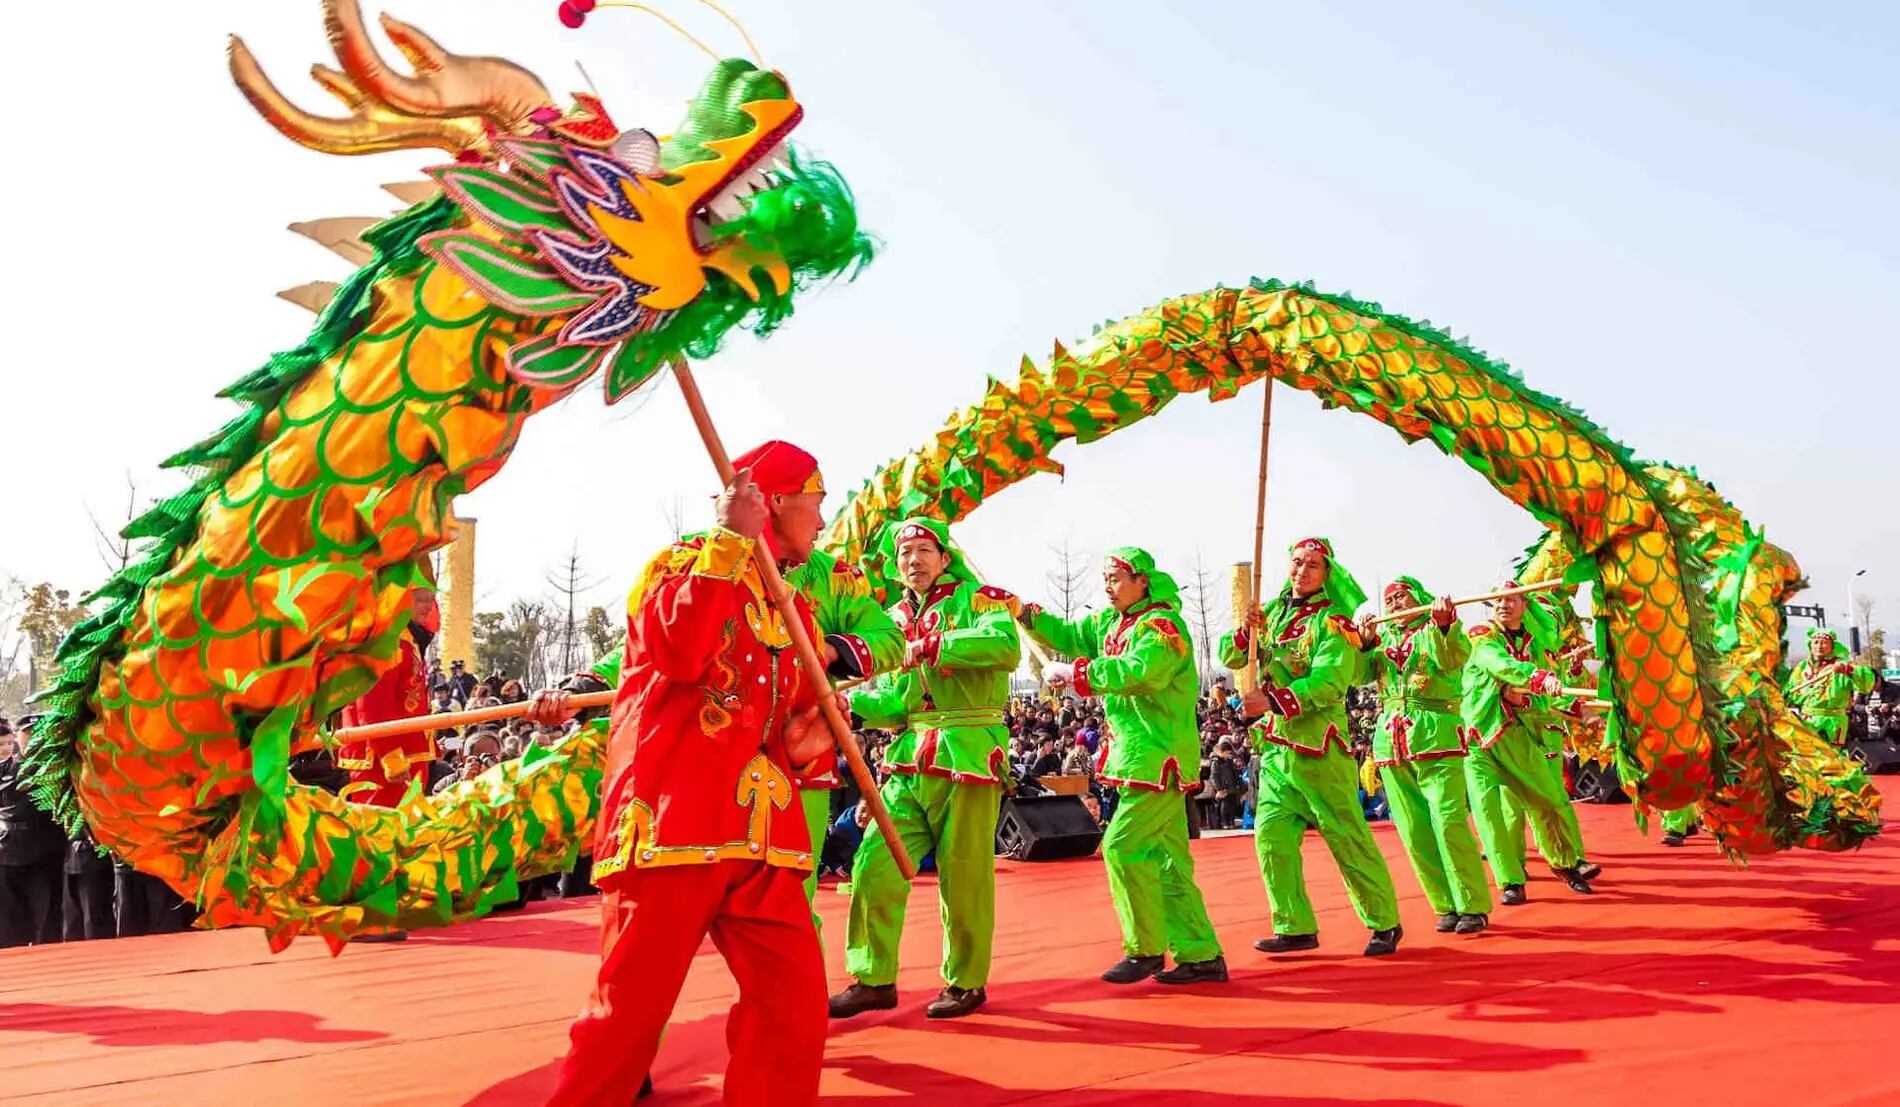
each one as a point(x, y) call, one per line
point(1681, 218)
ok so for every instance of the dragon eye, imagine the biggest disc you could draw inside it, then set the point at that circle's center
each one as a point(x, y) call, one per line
point(637, 150)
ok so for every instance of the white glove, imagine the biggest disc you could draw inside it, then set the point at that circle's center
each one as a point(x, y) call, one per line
point(1058, 675)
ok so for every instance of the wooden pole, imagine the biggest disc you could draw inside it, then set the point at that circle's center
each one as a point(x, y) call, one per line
point(1520, 590)
point(1259, 528)
point(447, 720)
point(802, 645)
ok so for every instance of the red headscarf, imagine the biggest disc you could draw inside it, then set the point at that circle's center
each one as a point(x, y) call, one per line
point(781, 469)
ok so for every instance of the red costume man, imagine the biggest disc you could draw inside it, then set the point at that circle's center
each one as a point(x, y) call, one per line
point(700, 828)
point(381, 768)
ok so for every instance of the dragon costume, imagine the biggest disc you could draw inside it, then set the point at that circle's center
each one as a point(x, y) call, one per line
point(1687, 593)
point(273, 590)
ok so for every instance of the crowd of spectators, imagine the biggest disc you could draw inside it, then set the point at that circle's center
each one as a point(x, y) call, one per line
point(1875, 716)
point(56, 888)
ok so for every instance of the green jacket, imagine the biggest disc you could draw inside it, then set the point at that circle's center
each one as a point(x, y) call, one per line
point(1420, 671)
point(950, 708)
point(1831, 694)
point(1310, 656)
point(1142, 665)
point(1501, 659)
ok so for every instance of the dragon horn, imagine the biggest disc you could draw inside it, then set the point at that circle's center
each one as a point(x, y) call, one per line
point(445, 84)
point(369, 128)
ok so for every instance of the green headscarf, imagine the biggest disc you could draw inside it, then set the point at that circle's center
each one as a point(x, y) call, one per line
point(1420, 597)
point(1539, 619)
point(1161, 586)
point(1340, 587)
point(959, 569)
point(1839, 652)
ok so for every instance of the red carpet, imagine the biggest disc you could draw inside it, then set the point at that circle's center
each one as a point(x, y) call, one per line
point(1684, 981)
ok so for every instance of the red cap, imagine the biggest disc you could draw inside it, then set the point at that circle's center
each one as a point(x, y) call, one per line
point(781, 469)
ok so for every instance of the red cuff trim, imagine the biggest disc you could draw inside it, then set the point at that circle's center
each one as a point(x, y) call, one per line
point(1544, 683)
point(1082, 677)
point(861, 652)
point(1242, 639)
point(1288, 703)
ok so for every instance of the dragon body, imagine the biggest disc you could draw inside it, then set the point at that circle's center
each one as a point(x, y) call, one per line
point(1687, 595)
point(275, 589)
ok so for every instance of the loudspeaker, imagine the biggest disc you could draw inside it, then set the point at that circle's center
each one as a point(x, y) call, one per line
point(1877, 754)
point(1046, 828)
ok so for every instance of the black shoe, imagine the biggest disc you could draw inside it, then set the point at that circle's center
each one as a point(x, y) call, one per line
point(646, 1088)
point(1472, 924)
point(1384, 943)
point(1446, 923)
point(1287, 943)
point(1693, 830)
point(1130, 970)
point(954, 1002)
point(859, 998)
point(1589, 870)
point(1512, 895)
point(1196, 972)
point(1672, 838)
point(385, 936)
point(1573, 880)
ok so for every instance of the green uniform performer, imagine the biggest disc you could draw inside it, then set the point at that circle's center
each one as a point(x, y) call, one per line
point(947, 771)
point(1309, 655)
point(1822, 700)
point(1508, 682)
point(860, 640)
point(1139, 659)
point(1419, 746)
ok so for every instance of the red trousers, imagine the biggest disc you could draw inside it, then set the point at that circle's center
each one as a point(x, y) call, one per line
point(652, 923)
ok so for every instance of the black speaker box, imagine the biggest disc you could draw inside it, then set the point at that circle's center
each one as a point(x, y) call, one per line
point(1046, 828)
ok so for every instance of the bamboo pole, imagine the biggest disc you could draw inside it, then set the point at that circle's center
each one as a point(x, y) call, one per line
point(576, 703)
point(802, 645)
point(1520, 590)
point(1259, 530)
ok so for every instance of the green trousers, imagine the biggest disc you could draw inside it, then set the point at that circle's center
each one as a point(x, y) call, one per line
point(1298, 792)
point(1832, 727)
point(1514, 769)
point(1433, 817)
point(1679, 820)
point(1514, 812)
point(958, 823)
point(817, 803)
point(1151, 879)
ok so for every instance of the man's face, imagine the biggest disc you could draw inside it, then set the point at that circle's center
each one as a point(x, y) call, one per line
point(422, 607)
point(1124, 589)
point(1306, 573)
point(1823, 647)
point(8, 748)
point(920, 561)
point(797, 519)
point(1511, 611)
point(1398, 599)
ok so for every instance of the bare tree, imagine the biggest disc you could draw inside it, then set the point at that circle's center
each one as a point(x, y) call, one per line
point(1066, 581)
point(1202, 609)
point(565, 639)
point(675, 516)
point(114, 548)
point(1864, 612)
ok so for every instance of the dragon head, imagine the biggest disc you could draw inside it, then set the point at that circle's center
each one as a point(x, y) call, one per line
point(643, 250)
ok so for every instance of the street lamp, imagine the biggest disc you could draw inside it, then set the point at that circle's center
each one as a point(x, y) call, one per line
point(1851, 624)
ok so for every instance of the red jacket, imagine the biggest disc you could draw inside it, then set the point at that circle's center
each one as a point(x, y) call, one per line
point(403, 692)
point(696, 768)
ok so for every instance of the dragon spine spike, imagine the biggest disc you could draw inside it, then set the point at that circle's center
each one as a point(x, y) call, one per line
point(311, 296)
point(341, 235)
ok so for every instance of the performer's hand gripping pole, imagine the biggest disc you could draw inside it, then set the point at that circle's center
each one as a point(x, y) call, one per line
point(1521, 590)
point(808, 658)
